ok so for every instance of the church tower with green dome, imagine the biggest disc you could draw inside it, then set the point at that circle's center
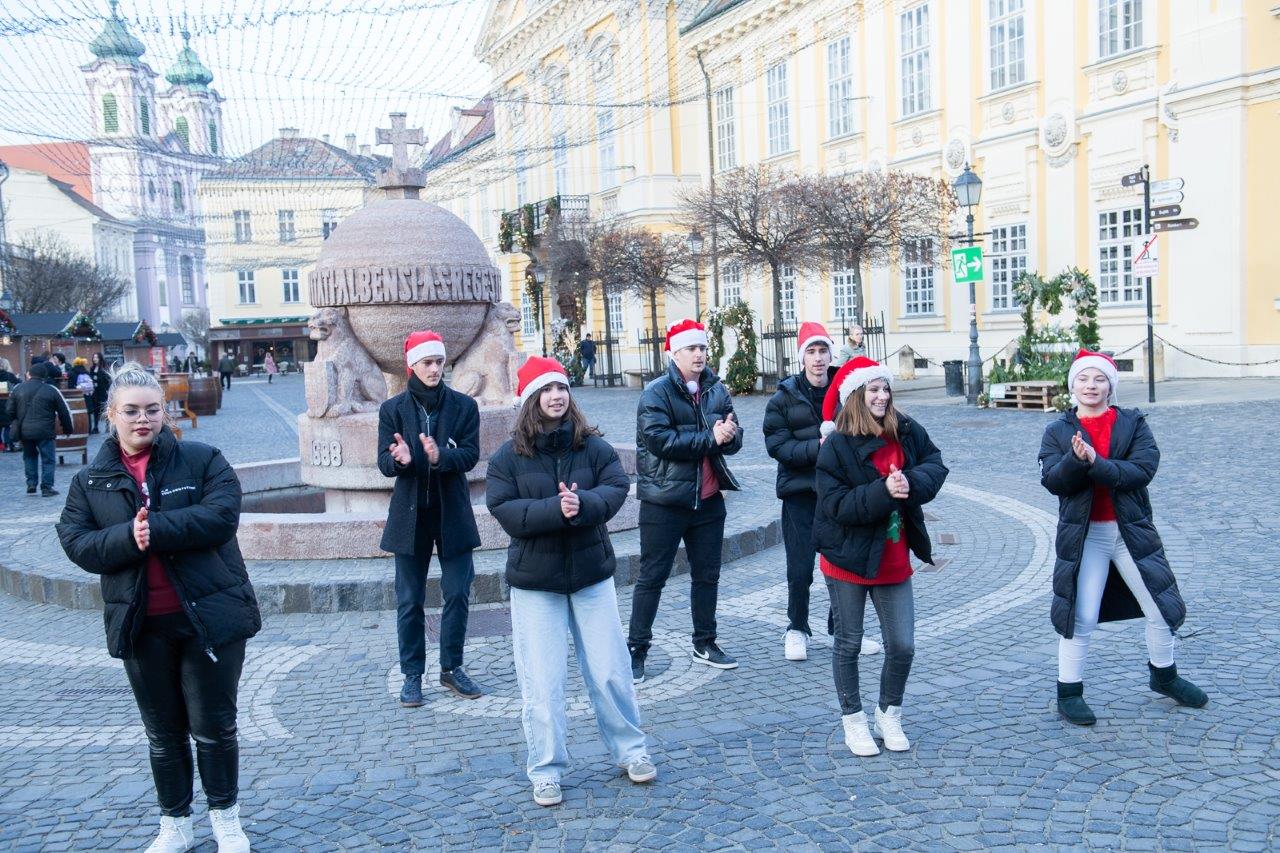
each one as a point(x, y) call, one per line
point(122, 88)
point(191, 109)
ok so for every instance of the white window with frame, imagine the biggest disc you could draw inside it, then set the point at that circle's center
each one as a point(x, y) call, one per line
point(917, 275)
point(187, 279)
point(779, 109)
point(726, 130)
point(328, 222)
point(284, 219)
point(522, 178)
point(730, 283)
point(787, 292)
point(1116, 230)
point(914, 27)
point(609, 205)
point(1007, 34)
point(289, 278)
point(614, 304)
point(839, 87)
point(528, 319)
point(1119, 26)
point(606, 145)
point(248, 292)
point(1007, 261)
point(243, 226)
point(844, 289)
point(560, 159)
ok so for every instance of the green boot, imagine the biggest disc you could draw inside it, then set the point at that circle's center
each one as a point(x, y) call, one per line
point(1072, 706)
point(1165, 680)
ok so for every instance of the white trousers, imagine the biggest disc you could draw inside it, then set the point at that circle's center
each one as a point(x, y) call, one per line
point(1103, 546)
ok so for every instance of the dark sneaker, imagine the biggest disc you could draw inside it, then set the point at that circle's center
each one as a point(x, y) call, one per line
point(637, 665)
point(710, 654)
point(48, 493)
point(411, 693)
point(459, 682)
point(31, 490)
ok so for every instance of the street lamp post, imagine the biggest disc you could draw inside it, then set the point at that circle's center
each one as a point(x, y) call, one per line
point(695, 252)
point(540, 279)
point(968, 189)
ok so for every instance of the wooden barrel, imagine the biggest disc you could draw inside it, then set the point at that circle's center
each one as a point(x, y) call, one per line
point(177, 387)
point(204, 395)
point(78, 441)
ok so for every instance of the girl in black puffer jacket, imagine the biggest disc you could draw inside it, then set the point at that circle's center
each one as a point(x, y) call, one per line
point(157, 520)
point(553, 487)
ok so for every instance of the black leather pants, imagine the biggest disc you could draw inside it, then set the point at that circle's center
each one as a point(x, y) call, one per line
point(183, 694)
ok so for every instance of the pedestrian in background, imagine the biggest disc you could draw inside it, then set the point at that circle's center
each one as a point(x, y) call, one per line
point(587, 352)
point(9, 378)
point(554, 487)
point(876, 470)
point(1099, 459)
point(269, 367)
point(35, 410)
point(156, 518)
point(101, 377)
point(853, 346)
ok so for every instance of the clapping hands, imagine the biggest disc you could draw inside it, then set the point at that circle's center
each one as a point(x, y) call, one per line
point(1082, 449)
point(725, 430)
point(897, 484)
point(142, 530)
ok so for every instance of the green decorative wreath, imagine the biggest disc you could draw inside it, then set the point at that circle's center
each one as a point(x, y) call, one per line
point(506, 235)
point(740, 374)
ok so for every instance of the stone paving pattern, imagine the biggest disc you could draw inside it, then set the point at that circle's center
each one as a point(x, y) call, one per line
point(748, 759)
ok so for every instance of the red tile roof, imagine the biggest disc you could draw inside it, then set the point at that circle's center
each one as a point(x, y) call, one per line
point(67, 162)
point(483, 129)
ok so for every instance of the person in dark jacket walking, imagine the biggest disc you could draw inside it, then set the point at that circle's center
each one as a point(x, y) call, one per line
point(685, 427)
point(36, 408)
point(791, 421)
point(226, 367)
point(157, 519)
point(101, 377)
point(587, 350)
point(430, 510)
point(1099, 459)
point(553, 487)
point(9, 378)
point(876, 469)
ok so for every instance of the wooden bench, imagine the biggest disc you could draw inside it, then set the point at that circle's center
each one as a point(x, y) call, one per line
point(1034, 395)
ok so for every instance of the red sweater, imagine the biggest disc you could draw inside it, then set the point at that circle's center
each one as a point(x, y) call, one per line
point(895, 560)
point(162, 598)
point(1099, 431)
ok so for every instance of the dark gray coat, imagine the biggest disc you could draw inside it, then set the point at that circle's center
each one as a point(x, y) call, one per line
point(35, 409)
point(1130, 467)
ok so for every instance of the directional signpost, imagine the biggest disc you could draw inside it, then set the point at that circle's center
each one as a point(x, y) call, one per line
point(966, 264)
point(1145, 260)
point(1175, 224)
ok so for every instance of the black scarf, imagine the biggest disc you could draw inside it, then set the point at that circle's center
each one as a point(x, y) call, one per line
point(427, 398)
point(816, 394)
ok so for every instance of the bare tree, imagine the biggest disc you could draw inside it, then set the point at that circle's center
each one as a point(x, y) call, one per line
point(871, 217)
point(194, 326)
point(44, 273)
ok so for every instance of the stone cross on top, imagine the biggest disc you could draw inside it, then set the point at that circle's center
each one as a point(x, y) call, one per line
point(401, 180)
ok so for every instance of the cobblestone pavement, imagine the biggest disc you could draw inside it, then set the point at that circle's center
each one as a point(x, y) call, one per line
point(748, 759)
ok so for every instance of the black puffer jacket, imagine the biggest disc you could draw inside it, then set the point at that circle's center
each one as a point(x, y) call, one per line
point(1132, 463)
point(35, 410)
point(852, 520)
point(549, 552)
point(791, 436)
point(673, 436)
point(195, 509)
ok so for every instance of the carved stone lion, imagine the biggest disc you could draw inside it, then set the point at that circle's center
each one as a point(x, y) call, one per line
point(487, 370)
point(343, 379)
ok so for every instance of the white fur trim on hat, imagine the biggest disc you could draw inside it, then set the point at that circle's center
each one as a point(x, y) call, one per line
point(688, 338)
point(1098, 362)
point(426, 349)
point(816, 339)
point(538, 382)
point(857, 378)
point(827, 428)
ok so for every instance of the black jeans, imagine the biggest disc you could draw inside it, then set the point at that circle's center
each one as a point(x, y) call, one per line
point(797, 539)
point(895, 605)
point(456, 574)
point(182, 694)
point(226, 380)
point(661, 530)
point(39, 460)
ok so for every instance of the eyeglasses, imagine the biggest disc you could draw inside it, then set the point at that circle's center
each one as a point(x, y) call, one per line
point(151, 413)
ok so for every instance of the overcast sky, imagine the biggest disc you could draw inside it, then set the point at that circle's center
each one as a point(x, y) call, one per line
point(324, 68)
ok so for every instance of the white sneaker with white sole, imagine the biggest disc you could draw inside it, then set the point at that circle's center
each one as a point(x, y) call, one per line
point(795, 645)
point(227, 830)
point(889, 729)
point(176, 835)
point(857, 736)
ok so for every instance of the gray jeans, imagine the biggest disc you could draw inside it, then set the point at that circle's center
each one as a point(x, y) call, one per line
point(895, 605)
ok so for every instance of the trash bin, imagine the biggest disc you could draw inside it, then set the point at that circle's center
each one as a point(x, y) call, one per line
point(954, 371)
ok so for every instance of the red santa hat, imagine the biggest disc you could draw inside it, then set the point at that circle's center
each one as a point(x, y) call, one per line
point(420, 345)
point(536, 373)
point(813, 333)
point(1086, 359)
point(852, 375)
point(686, 333)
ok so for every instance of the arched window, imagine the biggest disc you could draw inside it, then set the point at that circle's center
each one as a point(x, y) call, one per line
point(179, 202)
point(144, 117)
point(110, 114)
point(213, 137)
point(183, 130)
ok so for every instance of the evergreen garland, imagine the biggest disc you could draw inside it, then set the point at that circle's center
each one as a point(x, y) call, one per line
point(740, 374)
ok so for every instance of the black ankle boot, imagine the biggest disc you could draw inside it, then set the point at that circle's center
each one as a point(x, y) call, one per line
point(1165, 680)
point(1071, 704)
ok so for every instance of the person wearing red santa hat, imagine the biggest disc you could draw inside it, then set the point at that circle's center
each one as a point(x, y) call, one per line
point(685, 428)
point(553, 487)
point(1099, 459)
point(876, 470)
point(791, 421)
point(428, 439)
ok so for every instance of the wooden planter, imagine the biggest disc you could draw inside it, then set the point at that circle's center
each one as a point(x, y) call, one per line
point(1035, 395)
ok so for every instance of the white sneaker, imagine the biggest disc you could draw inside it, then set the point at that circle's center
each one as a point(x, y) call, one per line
point(795, 645)
point(869, 647)
point(226, 828)
point(176, 835)
point(857, 736)
point(889, 729)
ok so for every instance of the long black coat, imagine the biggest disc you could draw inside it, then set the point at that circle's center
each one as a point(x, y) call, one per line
point(195, 509)
point(1134, 458)
point(35, 410)
point(852, 519)
point(458, 438)
point(549, 552)
point(673, 436)
point(791, 435)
